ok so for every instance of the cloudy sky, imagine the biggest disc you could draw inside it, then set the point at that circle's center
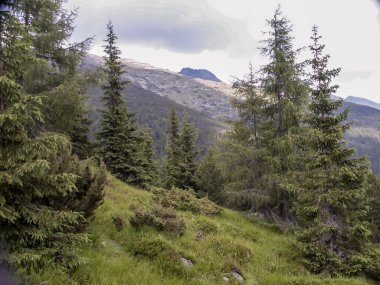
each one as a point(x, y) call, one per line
point(223, 35)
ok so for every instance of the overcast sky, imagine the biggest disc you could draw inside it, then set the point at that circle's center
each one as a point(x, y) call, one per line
point(223, 35)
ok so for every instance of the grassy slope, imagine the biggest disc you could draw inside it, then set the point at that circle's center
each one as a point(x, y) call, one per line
point(263, 255)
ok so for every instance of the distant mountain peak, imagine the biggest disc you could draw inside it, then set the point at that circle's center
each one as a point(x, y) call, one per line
point(199, 73)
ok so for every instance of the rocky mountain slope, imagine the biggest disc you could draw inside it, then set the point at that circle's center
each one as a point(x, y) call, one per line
point(153, 91)
point(212, 99)
point(363, 101)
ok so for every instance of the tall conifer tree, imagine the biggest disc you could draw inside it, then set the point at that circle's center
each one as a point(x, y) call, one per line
point(122, 146)
point(188, 160)
point(285, 90)
point(63, 88)
point(173, 152)
point(35, 233)
point(332, 204)
point(259, 147)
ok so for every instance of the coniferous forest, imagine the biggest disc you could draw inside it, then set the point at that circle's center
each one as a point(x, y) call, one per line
point(277, 198)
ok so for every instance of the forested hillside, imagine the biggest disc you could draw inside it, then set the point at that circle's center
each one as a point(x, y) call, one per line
point(152, 111)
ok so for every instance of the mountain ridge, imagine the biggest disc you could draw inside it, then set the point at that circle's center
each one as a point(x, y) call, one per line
point(363, 101)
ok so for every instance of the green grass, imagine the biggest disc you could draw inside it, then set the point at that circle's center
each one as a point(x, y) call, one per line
point(229, 241)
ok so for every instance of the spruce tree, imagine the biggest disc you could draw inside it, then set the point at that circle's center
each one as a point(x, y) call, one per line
point(56, 77)
point(285, 90)
point(238, 153)
point(188, 159)
point(35, 234)
point(374, 214)
point(122, 147)
point(148, 175)
point(259, 151)
point(173, 152)
point(210, 179)
point(332, 204)
point(250, 103)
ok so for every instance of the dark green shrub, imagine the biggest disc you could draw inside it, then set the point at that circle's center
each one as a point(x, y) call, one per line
point(160, 251)
point(159, 218)
point(186, 200)
point(206, 226)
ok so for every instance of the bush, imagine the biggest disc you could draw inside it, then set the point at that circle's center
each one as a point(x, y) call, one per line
point(160, 251)
point(206, 226)
point(159, 218)
point(185, 200)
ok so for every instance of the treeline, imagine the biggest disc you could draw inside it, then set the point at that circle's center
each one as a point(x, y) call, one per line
point(286, 159)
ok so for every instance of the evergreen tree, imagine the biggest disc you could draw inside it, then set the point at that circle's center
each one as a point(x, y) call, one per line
point(188, 159)
point(148, 174)
point(122, 147)
point(239, 152)
point(250, 103)
point(259, 151)
point(56, 77)
point(34, 233)
point(210, 179)
point(374, 214)
point(173, 152)
point(285, 90)
point(332, 204)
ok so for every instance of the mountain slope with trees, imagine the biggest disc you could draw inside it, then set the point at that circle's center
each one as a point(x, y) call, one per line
point(152, 102)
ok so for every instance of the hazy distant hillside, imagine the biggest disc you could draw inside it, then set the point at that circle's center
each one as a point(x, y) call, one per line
point(199, 73)
point(364, 134)
point(153, 91)
point(363, 101)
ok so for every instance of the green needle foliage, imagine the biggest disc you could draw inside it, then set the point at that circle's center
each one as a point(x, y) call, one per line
point(173, 153)
point(285, 89)
point(258, 152)
point(34, 233)
point(123, 147)
point(189, 153)
point(332, 205)
point(56, 78)
point(181, 160)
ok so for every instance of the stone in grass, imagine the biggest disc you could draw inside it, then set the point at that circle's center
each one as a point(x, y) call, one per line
point(226, 280)
point(238, 276)
point(187, 262)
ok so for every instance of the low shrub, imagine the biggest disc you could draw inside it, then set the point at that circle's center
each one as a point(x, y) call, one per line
point(159, 218)
point(158, 250)
point(185, 200)
point(206, 226)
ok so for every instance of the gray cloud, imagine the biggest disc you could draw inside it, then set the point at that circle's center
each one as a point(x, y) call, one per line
point(180, 26)
point(347, 76)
